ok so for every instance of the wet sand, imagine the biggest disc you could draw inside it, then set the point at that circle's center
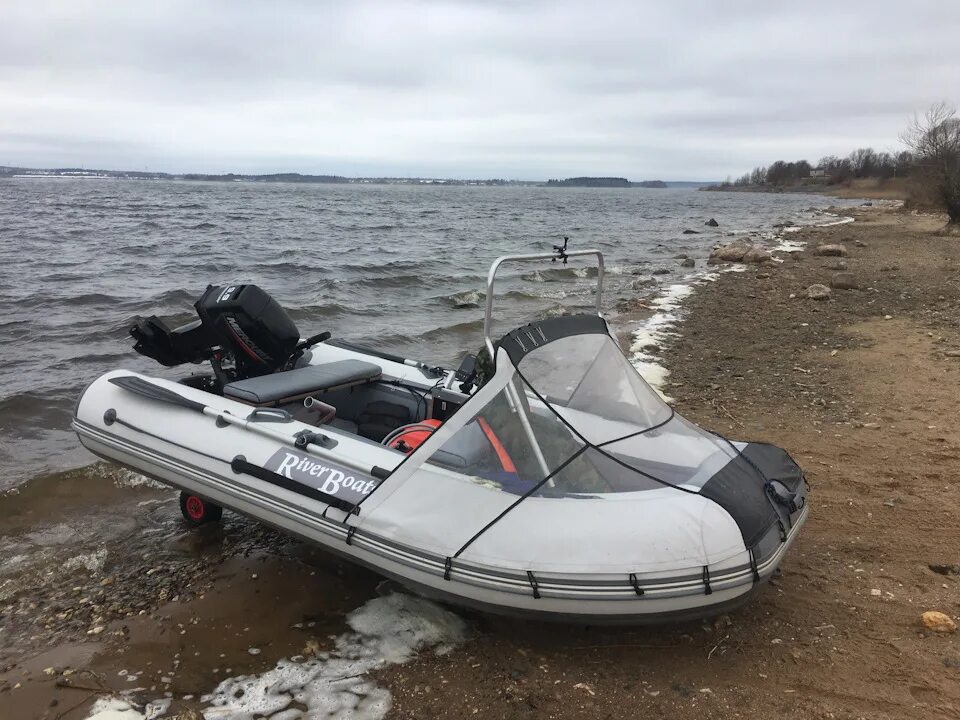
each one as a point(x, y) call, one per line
point(862, 389)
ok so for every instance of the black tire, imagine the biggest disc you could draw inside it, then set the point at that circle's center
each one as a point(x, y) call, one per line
point(197, 511)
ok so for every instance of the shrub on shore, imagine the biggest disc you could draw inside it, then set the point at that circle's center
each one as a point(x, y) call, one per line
point(934, 140)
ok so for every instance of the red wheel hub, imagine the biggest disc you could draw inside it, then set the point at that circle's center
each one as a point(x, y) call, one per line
point(195, 508)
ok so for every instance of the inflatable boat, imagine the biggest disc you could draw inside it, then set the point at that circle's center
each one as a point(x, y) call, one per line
point(545, 478)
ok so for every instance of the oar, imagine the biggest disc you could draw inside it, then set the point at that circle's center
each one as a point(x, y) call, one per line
point(151, 391)
point(422, 367)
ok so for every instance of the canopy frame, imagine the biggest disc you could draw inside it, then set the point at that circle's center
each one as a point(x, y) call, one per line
point(555, 255)
point(513, 397)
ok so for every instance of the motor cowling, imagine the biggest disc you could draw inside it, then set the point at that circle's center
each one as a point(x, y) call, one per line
point(250, 325)
point(239, 322)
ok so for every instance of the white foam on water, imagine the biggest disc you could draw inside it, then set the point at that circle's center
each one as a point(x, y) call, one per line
point(661, 325)
point(385, 631)
point(788, 246)
point(466, 299)
point(129, 479)
point(90, 561)
point(652, 333)
point(840, 221)
point(111, 708)
point(791, 246)
point(114, 708)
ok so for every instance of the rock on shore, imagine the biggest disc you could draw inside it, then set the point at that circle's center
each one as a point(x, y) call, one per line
point(832, 250)
point(938, 622)
point(844, 281)
point(741, 250)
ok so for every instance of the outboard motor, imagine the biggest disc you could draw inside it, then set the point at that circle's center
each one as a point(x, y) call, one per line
point(250, 325)
point(241, 323)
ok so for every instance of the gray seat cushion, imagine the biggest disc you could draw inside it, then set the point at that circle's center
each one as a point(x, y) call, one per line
point(298, 383)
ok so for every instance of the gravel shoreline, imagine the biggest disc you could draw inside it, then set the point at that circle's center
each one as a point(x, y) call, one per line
point(859, 387)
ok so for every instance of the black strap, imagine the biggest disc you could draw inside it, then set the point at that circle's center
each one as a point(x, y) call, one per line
point(351, 531)
point(533, 583)
point(240, 465)
point(636, 584)
point(639, 432)
point(783, 529)
point(586, 446)
point(598, 448)
point(753, 566)
point(447, 565)
point(706, 580)
point(519, 500)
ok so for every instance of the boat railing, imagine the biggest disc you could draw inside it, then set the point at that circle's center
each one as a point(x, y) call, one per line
point(513, 397)
point(559, 253)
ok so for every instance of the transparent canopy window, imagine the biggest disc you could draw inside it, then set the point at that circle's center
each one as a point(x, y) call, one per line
point(577, 420)
point(586, 377)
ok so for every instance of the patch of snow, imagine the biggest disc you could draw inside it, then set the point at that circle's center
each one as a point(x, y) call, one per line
point(385, 631)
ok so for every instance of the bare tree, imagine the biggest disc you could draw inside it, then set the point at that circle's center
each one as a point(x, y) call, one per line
point(934, 140)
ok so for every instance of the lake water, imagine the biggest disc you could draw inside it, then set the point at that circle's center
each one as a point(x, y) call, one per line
point(398, 267)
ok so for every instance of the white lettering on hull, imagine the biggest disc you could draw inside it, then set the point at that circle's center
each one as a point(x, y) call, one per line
point(339, 482)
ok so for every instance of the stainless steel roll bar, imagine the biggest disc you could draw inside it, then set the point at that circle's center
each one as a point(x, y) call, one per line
point(492, 277)
point(513, 395)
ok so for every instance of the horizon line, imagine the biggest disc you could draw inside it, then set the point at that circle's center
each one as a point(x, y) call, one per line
point(147, 171)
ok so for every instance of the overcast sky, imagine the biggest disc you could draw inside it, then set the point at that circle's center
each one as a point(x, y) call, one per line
point(492, 88)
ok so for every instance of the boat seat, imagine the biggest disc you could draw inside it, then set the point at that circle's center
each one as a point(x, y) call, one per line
point(299, 383)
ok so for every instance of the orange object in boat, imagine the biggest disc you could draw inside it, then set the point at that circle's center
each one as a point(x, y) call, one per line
point(413, 436)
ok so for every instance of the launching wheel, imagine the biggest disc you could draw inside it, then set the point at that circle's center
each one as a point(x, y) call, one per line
point(197, 511)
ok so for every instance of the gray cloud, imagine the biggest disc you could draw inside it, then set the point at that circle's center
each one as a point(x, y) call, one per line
point(515, 89)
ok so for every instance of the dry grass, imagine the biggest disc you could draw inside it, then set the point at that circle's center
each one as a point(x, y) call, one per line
point(872, 188)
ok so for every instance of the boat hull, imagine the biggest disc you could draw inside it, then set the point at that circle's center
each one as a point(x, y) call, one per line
point(585, 598)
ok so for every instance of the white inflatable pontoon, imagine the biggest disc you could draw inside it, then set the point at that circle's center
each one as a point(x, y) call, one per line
point(555, 484)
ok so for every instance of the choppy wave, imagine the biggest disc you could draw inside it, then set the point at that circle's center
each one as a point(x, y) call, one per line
point(174, 298)
point(560, 274)
point(312, 312)
point(465, 299)
point(399, 268)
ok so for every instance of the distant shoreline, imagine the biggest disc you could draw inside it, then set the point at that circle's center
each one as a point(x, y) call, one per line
point(7, 172)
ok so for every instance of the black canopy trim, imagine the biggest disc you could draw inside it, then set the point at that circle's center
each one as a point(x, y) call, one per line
point(528, 338)
point(741, 488)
